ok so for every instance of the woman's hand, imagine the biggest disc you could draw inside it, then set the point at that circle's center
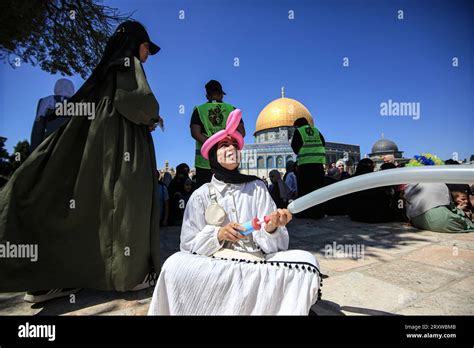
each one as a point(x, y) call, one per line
point(152, 127)
point(278, 218)
point(230, 232)
point(159, 123)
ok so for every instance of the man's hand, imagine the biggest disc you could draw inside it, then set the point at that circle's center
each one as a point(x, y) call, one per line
point(230, 232)
point(278, 218)
point(196, 133)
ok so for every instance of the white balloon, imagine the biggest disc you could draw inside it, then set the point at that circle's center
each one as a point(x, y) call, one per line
point(452, 174)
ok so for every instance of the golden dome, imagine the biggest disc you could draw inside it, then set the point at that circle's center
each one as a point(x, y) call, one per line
point(282, 112)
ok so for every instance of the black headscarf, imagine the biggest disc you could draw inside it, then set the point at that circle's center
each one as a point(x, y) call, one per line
point(365, 166)
point(300, 122)
point(182, 168)
point(226, 175)
point(121, 45)
point(176, 185)
point(386, 166)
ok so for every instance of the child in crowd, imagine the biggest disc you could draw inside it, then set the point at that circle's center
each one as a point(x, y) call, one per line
point(462, 202)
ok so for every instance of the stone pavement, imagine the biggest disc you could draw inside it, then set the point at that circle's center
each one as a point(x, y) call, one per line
point(374, 269)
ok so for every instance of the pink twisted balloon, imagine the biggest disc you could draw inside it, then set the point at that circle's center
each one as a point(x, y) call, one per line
point(230, 130)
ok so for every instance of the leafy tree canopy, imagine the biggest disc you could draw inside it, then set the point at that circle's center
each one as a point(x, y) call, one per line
point(60, 36)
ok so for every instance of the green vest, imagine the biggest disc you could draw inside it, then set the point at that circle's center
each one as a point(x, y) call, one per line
point(312, 150)
point(214, 118)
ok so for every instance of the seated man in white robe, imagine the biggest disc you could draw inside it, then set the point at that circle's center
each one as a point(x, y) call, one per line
point(219, 270)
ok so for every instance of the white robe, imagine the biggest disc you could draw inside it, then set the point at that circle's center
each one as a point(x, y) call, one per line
point(193, 282)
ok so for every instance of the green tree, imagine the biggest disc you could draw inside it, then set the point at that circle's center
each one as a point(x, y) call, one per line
point(5, 166)
point(19, 155)
point(61, 36)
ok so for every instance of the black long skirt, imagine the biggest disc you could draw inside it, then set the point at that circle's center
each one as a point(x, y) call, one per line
point(310, 177)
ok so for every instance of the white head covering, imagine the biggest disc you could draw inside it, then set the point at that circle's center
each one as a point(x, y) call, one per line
point(64, 88)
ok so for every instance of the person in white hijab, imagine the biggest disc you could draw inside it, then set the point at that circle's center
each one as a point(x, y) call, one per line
point(46, 122)
point(221, 271)
point(340, 165)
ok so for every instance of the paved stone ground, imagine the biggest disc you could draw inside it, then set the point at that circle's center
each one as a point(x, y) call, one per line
point(383, 269)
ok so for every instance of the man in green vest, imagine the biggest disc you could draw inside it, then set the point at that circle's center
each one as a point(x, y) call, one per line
point(208, 119)
point(309, 144)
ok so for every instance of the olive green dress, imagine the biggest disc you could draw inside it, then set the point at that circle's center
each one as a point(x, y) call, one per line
point(85, 197)
point(444, 219)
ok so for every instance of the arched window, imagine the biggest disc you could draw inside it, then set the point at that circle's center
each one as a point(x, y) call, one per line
point(279, 162)
point(251, 161)
point(270, 163)
point(289, 158)
point(260, 162)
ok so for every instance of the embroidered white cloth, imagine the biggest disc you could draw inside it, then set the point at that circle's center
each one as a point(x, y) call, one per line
point(193, 282)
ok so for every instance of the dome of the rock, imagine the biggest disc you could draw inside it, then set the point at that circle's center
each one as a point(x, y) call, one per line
point(281, 112)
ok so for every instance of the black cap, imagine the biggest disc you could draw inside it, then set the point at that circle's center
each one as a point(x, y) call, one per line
point(139, 31)
point(214, 86)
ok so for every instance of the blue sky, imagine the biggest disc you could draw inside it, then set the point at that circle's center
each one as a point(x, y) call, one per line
point(407, 60)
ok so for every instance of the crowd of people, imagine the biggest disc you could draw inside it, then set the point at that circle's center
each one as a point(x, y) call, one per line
point(402, 203)
point(426, 206)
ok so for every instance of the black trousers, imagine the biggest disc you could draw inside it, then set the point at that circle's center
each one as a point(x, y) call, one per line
point(310, 177)
point(203, 176)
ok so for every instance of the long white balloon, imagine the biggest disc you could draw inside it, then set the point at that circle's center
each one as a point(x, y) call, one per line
point(452, 174)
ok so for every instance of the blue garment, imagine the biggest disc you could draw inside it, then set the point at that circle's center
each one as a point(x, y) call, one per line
point(163, 197)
